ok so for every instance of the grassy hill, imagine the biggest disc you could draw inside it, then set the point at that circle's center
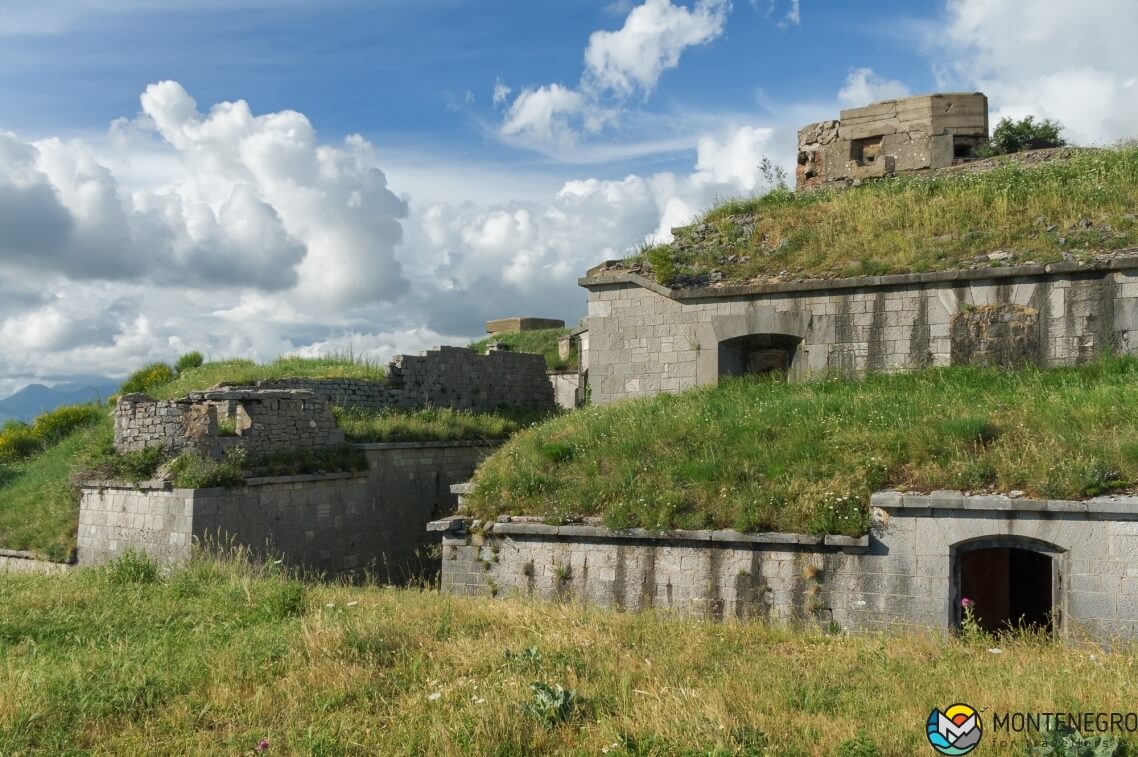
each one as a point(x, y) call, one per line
point(755, 454)
point(220, 657)
point(540, 341)
point(1077, 204)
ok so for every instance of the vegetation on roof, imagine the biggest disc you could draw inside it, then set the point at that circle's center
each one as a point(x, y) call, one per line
point(755, 454)
point(432, 424)
point(539, 341)
point(247, 372)
point(224, 658)
point(1032, 207)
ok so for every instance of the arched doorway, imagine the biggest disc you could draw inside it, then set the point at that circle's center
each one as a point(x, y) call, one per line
point(1010, 582)
point(758, 354)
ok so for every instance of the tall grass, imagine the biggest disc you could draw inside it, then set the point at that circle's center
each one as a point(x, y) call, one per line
point(905, 224)
point(222, 656)
point(756, 454)
point(432, 424)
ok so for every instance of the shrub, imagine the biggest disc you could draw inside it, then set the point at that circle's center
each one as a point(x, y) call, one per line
point(1025, 134)
point(660, 258)
point(17, 441)
point(188, 361)
point(56, 424)
point(147, 378)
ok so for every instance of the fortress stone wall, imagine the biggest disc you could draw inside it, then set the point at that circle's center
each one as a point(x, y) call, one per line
point(259, 421)
point(454, 377)
point(645, 339)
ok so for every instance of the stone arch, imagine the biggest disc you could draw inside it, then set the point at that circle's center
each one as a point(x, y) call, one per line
point(760, 327)
point(1012, 581)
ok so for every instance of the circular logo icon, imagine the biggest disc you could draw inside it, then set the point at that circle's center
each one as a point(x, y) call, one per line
point(955, 730)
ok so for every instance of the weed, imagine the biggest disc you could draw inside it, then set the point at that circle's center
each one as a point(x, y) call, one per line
point(132, 568)
point(552, 705)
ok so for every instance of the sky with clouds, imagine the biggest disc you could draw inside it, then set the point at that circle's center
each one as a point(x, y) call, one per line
point(258, 177)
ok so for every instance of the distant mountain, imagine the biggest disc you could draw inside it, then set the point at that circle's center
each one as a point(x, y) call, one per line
point(37, 398)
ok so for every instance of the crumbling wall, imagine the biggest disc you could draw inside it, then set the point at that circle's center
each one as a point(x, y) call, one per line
point(261, 421)
point(455, 377)
point(893, 136)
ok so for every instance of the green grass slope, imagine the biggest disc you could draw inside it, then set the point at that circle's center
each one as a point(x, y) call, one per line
point(247, 372)
point(1080, 203)
point(539, 341)
point(220, 657)
point(755, 454)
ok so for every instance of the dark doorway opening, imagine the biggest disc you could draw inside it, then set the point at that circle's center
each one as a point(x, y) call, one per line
point(758, 355)
point(1008, 587)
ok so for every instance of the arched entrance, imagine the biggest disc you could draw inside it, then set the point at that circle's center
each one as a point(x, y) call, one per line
point(1010, 582)
point(757, 354)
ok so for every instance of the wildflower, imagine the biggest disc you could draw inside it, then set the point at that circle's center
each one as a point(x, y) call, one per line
point(263, 745)
point(352, 604)
point(995, 650)
point(434, 696)
point(966, 603)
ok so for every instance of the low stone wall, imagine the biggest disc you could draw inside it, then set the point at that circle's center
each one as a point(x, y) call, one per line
point(905, 574)
point(454, 377)
point(374, 520)
point(25, 562)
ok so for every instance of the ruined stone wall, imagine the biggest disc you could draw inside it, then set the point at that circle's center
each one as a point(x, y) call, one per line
point(902, 575)
point(454, 377)
point(645, 339)
point(374, 520)
point(260, 421)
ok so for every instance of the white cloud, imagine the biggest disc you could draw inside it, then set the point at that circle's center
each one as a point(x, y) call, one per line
point(862, 87)
point(501, 92)
point(544, 115)
point(651, 41)
point(618, 65)
point(1070, 61)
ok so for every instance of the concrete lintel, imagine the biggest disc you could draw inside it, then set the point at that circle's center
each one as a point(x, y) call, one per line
point(837, 540)
point(523, 529)
point(455, 523)
point(464, 488)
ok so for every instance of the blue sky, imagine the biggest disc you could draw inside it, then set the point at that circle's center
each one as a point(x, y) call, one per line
point(258, 177)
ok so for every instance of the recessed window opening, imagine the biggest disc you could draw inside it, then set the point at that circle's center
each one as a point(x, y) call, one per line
point(757, 355)
point(1008, 588)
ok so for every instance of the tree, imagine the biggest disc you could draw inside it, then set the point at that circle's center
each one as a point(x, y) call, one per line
point(1025, 134)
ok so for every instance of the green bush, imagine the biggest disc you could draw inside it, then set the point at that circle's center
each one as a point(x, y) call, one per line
point(56, 424)
point(1026, 134)
point(660, 258)
point(147, 378)
point(188, 361)
point(17, 441)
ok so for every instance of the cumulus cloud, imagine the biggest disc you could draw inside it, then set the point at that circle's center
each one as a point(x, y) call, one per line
point(258, 203)
point(1070, 61)
point(618, 65)
point(862, 86)
point(651, 41)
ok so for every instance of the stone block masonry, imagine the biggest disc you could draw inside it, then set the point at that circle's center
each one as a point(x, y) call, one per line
point(646, 339)
point(259, 421)
point(454, 377)
point(906, 573)
point(374, 520)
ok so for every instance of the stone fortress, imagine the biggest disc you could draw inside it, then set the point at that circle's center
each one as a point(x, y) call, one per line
point(1067, 565)
point(1070, 565)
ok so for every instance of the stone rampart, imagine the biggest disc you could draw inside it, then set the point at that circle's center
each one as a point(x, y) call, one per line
point(906, 573)
point(374, 520)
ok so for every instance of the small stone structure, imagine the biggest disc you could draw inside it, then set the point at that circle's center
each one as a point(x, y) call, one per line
point(1067, 566)
point(646, 338)
point(510, 325)
point(14, 561)
point(893, 136)
point(455, 377)
point(374, 520)
point(261, 421)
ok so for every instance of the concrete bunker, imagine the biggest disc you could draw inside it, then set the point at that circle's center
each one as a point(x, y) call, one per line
point(758, 355)
point(1010, 582)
